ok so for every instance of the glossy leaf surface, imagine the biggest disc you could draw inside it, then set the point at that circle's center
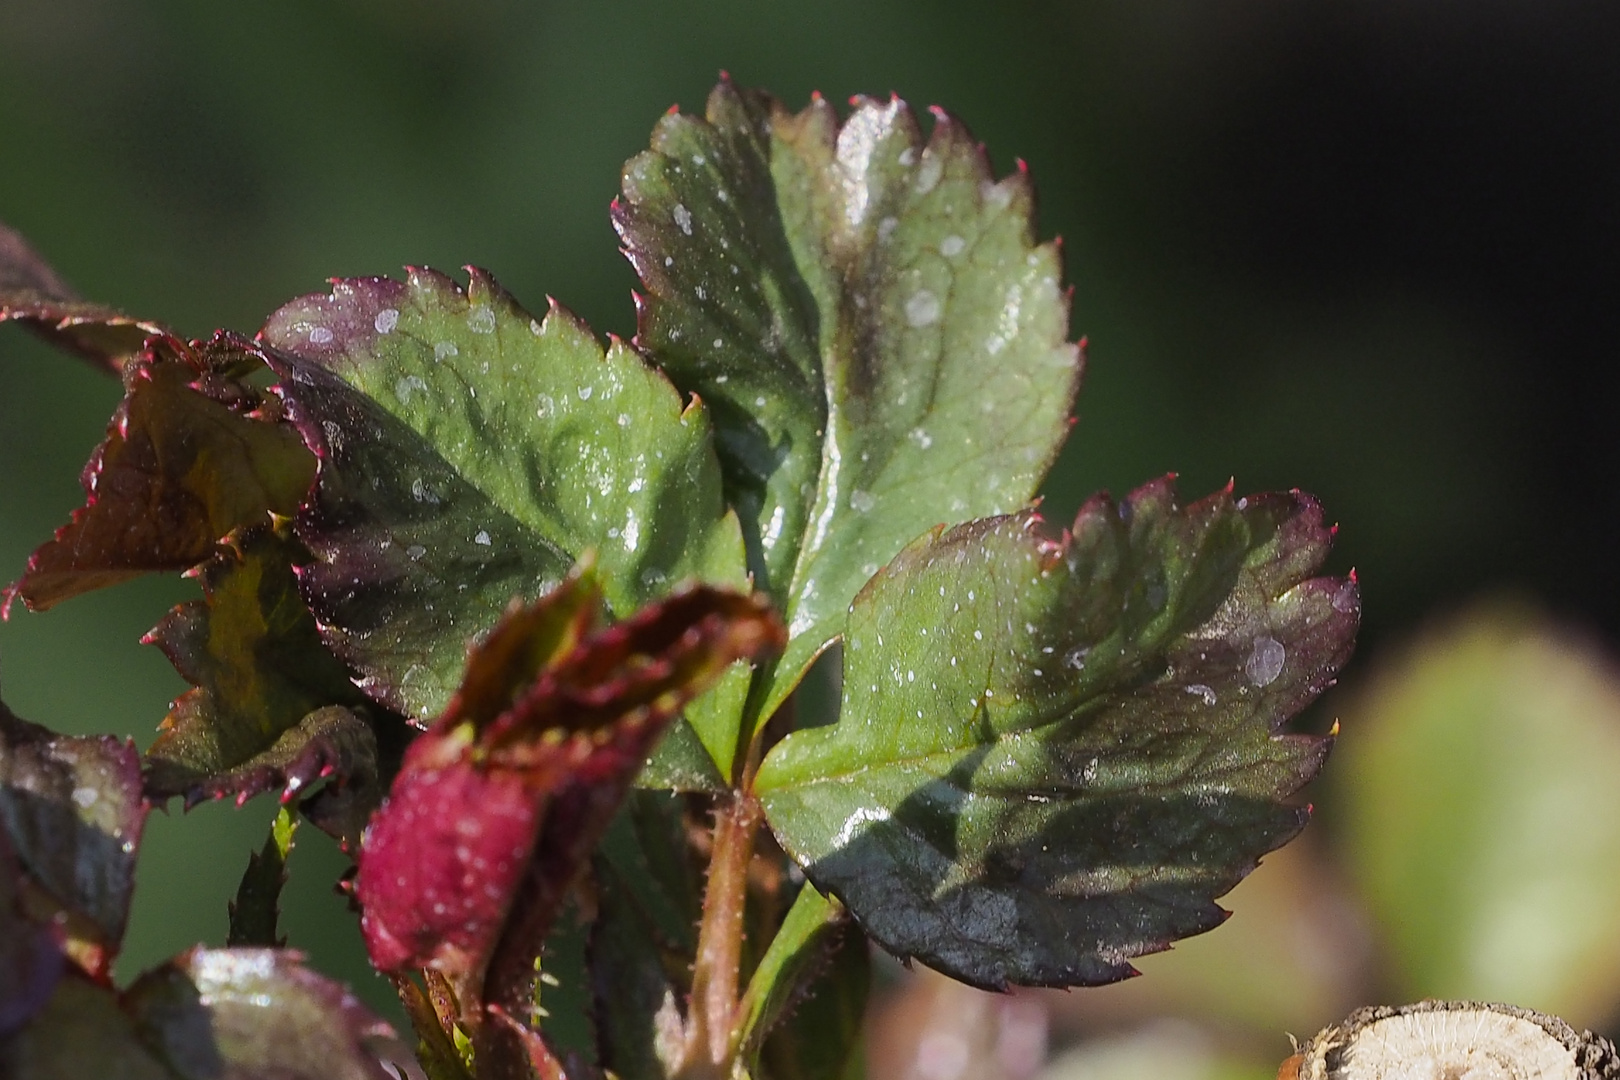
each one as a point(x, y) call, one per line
point(188, 458)
point(255, 1014)
point(267, 710)
point(867, 311)
point(32, 293)
point(516, 782)
point(1053, 756)
point(469, 454)
point(73, 811)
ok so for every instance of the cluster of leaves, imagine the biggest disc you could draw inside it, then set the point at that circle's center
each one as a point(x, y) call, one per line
point(594, 579)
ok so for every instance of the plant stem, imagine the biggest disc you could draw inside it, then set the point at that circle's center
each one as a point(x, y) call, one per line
point(715, 974)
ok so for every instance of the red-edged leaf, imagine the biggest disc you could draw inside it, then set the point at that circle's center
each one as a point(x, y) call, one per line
point(270, 708)
point(490, 804)
point(188, 458)
point(35, 295)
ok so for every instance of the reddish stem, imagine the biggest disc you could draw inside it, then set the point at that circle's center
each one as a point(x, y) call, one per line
point(716, 972)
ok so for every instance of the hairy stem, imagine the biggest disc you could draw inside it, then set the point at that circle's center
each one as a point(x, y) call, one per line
point(714, 1013)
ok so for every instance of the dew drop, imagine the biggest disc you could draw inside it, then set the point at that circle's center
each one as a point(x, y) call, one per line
point(481, 320)
point(683, 218)
point(86, 797)
point(861, 501)
point(585, 393)
point(1202, 691)
point(386, 320)
point(922, 309)
point(952, 246)
point(482, 538)
point(1345, 599)
point(1265, 663)
point(444, 350)
point(320, 336)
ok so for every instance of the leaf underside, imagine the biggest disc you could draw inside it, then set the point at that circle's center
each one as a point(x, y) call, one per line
point(1054, 755)
point(867, 313)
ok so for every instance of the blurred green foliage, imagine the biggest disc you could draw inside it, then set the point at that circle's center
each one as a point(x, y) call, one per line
point(1350, 249)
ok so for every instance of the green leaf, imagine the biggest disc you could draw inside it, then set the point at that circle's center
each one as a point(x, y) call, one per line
point(637, 996)
point(1054, 754)
point(73, 812)
point(644, 941)
point(256, 909)
point(469, 454)
point(823, 1039)
point(880, 337)
point(799, 952)
point(34, 294)
point(189, 457)
point(1480, 805)
point(255, 1014)
point(267, 710)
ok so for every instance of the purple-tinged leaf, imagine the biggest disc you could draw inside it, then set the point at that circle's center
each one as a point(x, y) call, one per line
point(489, 805)
point(188, 458)
point(30, 960)
point(269, 705)
point(470, 453)
point(73, 811)
point(1054, 755)
point(867, 312)
point(257, 1014)
point(33, 294)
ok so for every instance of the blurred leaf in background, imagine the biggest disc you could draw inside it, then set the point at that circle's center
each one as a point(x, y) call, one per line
point(1480, 799)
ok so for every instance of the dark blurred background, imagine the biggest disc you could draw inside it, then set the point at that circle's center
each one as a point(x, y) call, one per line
point(1367, 248)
